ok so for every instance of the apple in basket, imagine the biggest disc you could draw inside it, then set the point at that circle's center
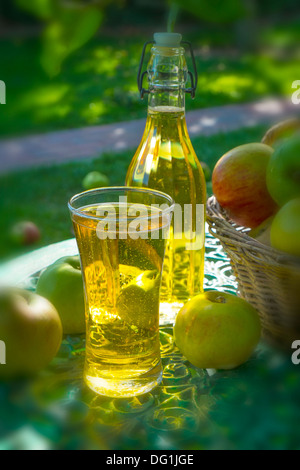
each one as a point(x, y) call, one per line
point(239, 184)
point(285, 228)
point(283, 172)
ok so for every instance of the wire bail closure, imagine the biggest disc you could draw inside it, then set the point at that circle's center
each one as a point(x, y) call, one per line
point(193, 78)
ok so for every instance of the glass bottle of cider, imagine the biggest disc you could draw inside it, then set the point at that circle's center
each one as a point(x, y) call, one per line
point(166, 161)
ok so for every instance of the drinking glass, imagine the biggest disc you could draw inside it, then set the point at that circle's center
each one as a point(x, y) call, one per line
point(121, 234)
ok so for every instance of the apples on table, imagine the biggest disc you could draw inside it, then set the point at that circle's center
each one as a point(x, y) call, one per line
point(31, 330)
point(61, 283)
point(32, 324)
point(216, 330)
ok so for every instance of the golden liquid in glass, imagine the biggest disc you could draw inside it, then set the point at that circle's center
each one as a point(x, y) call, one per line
point(122, 281)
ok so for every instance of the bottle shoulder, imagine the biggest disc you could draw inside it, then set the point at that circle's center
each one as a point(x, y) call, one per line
point(165, 139)
point(166, 159)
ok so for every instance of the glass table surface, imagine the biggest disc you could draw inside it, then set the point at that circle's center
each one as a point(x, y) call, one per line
point(255, 406)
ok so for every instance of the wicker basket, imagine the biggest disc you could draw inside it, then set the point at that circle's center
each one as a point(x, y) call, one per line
point(268, 279)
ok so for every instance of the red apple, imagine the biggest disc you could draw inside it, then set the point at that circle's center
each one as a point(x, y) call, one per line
point(239, 184)
point(25, 233)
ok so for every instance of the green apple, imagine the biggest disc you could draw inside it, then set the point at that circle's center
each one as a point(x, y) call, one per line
point(285, 229)
point(61, 283)
point(95, 179)
point(283, 172)
point(262, 233)
point(139, 301)
point(215, 330)
point(31, 330)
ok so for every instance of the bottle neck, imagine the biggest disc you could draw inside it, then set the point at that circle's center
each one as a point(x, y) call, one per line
point(166, 123)
point(170, 101)
point(167, 76)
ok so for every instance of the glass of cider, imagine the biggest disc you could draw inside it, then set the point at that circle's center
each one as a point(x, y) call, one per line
point(121, 234)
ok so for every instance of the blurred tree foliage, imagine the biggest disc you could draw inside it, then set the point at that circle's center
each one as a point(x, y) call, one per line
point(69, 25)
point(241, 14)
point(217, 11)
point(269, 7)
point(220, 11)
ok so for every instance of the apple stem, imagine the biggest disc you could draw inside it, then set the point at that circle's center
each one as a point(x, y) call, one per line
point(220, 299)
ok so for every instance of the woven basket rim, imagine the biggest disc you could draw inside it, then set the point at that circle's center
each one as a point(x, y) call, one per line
point(218, 219)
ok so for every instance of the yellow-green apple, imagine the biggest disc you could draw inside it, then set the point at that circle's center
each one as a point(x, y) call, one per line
point(95, 179)
point(139, 301)
point(30, 329)
point(61, 283)
point(283, 172)
point(239, 184)
point(285, 229)
point(216, 330)
point(280, 131)
point(25, 233)
point(262, 233)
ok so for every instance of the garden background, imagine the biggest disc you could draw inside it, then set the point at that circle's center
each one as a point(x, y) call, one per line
point(73, 64)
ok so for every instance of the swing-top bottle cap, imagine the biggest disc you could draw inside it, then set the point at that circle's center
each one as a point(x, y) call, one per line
point(167, 39)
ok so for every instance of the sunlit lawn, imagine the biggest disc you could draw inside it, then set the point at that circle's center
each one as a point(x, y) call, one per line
point(41, 194)
point(98, 83)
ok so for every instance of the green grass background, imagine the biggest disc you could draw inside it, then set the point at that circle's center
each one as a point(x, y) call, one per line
point(97, 85)
point(41, 194)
